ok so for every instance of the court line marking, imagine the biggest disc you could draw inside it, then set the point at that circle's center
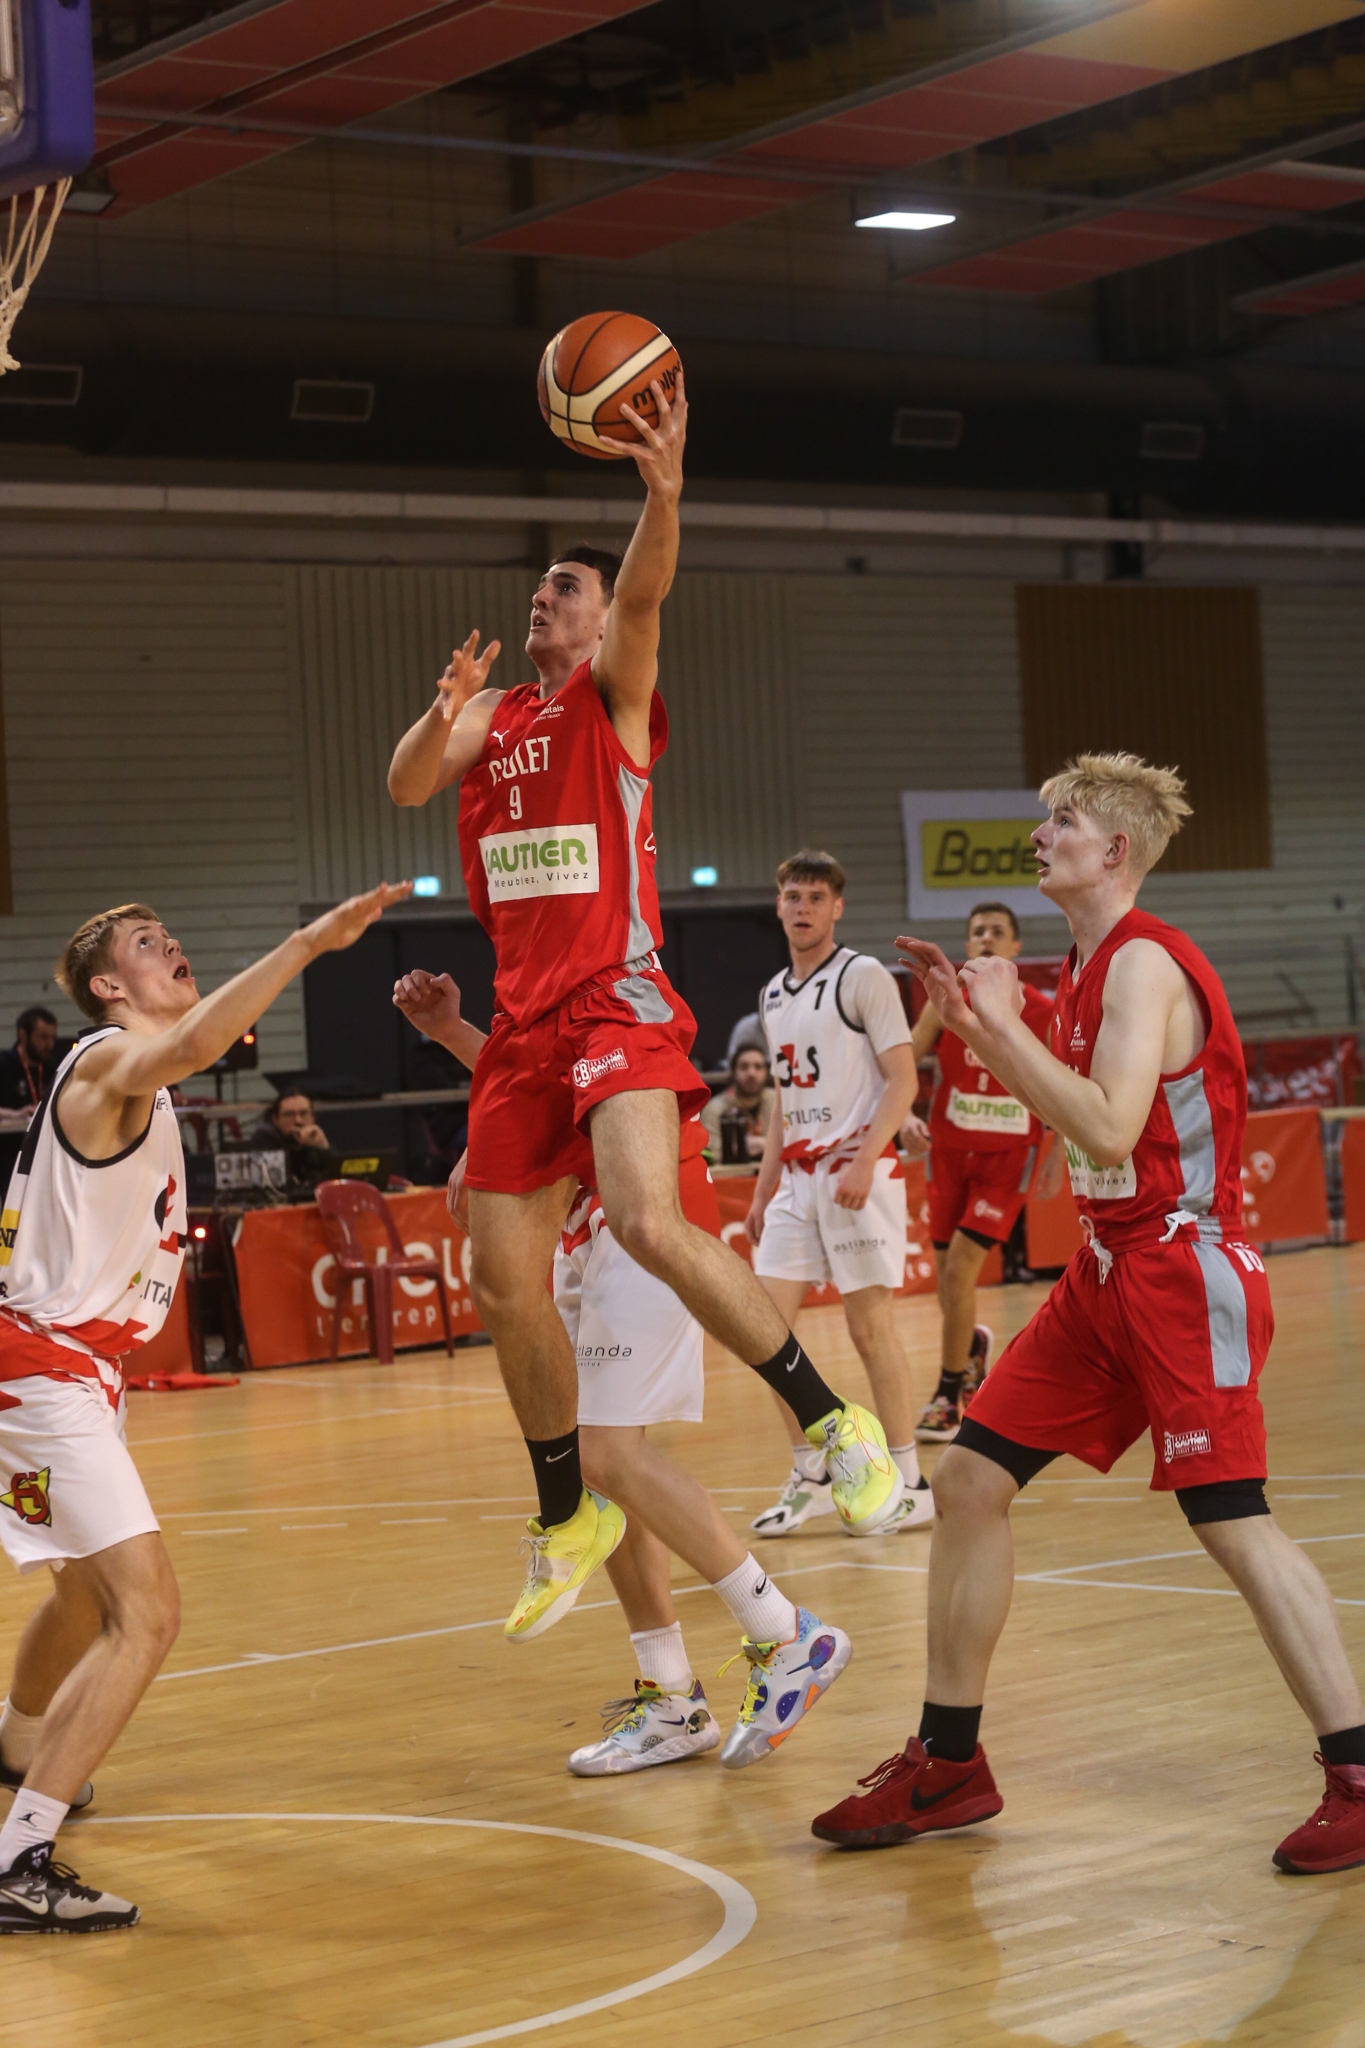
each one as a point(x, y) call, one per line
point(740, 1906)
point(199, 1436)
point(338, 1507)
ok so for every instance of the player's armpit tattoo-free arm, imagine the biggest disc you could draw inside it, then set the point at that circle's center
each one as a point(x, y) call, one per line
point(448, 738)
point(626, 666)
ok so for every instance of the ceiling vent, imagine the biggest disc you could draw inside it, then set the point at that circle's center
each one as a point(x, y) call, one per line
point(328, 399)
point(1171, 441)
point(913, 428)
point(42, 384)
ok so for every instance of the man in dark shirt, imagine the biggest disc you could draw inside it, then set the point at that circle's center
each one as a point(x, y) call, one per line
point(26, 1069)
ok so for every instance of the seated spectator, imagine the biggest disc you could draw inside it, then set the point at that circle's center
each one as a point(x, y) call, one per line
point(289, 1125)
point(748, 1100)
point(748, 1031)
point(26, 1070)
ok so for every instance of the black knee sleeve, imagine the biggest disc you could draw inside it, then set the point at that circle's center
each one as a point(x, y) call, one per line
point(1227, 1500)
point(1019, 1460)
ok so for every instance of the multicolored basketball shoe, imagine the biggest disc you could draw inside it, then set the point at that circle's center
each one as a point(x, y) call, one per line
point(563, 1559)
point(908, 1795)
point(868, 1483)
point(801, 1500)
point(785, 1681)
point(1333, 1837)
point(649, 1727)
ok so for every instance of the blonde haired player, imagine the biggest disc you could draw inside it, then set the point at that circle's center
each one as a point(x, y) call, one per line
point(830, 1199)
point(1161, 1323)
point(92, 1241)
point(639, 1355)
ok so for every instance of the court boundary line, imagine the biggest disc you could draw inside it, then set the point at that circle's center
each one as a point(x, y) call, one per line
point(740, 1908)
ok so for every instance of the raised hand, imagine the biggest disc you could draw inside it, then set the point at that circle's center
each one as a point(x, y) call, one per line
point(936, 971)
point(466, 674)
point(991, 986)
point(341, 927)
point(431, 1002)
point(660, 460)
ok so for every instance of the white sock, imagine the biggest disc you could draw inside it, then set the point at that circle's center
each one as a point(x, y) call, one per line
point(18, 1737)
point(764, 1614)
point(33, 1818)
point(907, 1457)
point(663, 1658)
point(808, 1462)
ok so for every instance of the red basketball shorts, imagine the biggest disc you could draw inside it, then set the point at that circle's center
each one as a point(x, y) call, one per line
point(535, 1086)
point(979, 1192)
point(1172, 1342)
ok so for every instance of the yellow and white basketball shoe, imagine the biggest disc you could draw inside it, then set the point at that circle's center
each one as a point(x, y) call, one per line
point(868, 1483)
point(563, 1559)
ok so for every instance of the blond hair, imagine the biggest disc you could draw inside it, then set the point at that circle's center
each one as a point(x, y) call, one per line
point(87, 953)
point(1123, 793)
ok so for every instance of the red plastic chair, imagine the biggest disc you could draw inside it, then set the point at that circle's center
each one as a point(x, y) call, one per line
point(344, 1205)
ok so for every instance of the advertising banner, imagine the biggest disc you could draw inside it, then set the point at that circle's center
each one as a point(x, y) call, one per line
point(287, 1279)
point(1284, 1182)
point(965, 845)
point(1353, 1178)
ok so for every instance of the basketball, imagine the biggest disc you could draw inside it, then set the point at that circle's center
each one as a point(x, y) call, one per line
point(594, 365)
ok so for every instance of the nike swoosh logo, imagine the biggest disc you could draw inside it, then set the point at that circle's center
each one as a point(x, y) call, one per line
point(792, 1366)
point(38, 1906)
point(921, 1805)
point(761, 1587)
point(557, 1456)
point(674, 1720)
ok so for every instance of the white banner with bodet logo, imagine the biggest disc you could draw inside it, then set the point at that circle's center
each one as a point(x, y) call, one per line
point(966, 846)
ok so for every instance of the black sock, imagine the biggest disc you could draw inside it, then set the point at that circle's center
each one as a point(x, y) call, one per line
point(1347, 1746)
point(791, 1374)
point(950, 1383)
point(950, 1732)
point(559, 1476)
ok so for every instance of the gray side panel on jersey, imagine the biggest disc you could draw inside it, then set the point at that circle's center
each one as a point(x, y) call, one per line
point(634, 789)
point(644, 997)
point(1027, 1175)
point(1227, 1303)
point(1193, 1122)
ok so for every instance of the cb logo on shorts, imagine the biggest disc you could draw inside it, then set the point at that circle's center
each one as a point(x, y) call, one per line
point(28, 1496)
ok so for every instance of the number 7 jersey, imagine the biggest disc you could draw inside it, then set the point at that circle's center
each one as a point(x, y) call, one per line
point(824, 1035)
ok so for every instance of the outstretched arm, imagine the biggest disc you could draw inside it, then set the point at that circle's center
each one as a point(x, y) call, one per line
point(626, 666)
point(1102, 1112)
point(448, 738)
point(431, 1002)
point(117, 1078)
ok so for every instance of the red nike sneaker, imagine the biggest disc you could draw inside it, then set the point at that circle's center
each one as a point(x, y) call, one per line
point(1333, 1838)
point(915, 1794)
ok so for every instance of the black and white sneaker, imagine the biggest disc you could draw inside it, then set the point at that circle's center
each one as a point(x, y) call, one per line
point(38, 1896)
point(14, 1779)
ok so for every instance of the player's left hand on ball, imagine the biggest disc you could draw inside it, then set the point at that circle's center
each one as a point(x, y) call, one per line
point(855, 1184)
point(659, 461)
point(993, 989)
point(457, 1194)
point(430, 1002)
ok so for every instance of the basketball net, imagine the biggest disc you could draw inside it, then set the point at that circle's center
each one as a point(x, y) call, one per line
point(26, 244)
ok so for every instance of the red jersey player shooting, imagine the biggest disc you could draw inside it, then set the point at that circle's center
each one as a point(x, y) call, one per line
point(1161, 1323)
point(586, 1067)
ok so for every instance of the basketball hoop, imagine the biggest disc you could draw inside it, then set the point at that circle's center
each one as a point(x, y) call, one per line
point(27, 237)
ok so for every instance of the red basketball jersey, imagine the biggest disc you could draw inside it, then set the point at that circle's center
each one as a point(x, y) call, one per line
point(972, 1111)
point(557, 843)
point(1188, 1160)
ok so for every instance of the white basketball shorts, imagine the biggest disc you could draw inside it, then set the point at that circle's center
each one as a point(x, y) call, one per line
point(807, 1236)
point(68, 1484)
point(639, 1350)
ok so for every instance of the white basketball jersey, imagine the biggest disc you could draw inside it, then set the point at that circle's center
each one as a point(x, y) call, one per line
point(91, 1249)
point(824, 1035)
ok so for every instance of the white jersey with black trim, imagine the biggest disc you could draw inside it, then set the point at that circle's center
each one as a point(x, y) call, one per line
point(91, 1249)
point(824, 1035)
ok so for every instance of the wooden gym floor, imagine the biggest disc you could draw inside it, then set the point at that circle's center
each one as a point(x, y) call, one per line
point(345, 1814)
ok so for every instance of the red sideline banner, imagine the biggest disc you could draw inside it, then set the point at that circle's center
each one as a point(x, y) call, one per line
point(735, 1194)
point(169, 1350)
point(1284, 1182)
point(1302, 1073)
point(286, 1276)
point(1353, 1177)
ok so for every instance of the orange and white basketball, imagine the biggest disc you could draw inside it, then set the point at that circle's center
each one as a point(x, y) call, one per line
point(594, 364)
